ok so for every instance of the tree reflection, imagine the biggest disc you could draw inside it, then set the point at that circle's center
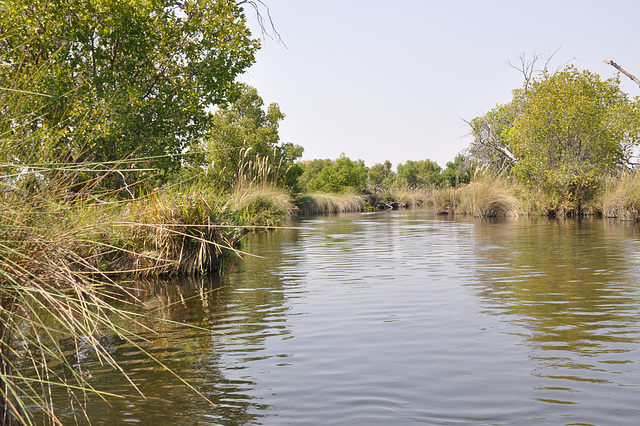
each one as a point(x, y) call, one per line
point(571, 284)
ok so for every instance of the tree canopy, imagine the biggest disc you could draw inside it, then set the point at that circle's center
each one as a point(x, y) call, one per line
point(243, 143)
point(134, 77)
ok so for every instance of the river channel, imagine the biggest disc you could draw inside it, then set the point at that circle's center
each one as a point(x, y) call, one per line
point(395, 318)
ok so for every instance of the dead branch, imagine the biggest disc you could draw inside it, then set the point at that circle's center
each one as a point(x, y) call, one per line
point(619, 68)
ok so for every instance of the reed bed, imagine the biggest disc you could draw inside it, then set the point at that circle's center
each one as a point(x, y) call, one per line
point(621, 197)
point(261, 205)
point(55, 302)
point(324, 203)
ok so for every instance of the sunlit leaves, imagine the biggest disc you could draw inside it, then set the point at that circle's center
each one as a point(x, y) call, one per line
point(137, 77)
point(244, 144)
point(574, 128)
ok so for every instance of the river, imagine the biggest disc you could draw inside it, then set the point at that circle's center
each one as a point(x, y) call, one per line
point(395, 318)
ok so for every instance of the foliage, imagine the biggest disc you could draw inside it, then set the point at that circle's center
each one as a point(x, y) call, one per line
point(576, 129)
point(243, 144)
point(310, 170)
point(381, 175)
point(343, 175)
point(457, 171)
point(136, 78)
point(419, 173)
point(563, 133)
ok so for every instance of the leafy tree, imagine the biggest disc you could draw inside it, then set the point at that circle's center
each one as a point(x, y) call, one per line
point(342, 175)
point(419, 173)
point(134, 77)
point(243, 143)
point(457, 171)
point(563, 133)
point(310, 170)
point(381, 175)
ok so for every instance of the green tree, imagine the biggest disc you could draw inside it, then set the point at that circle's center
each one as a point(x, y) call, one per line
point(243, 144)
point(381, 175)
point(310, 170)
point(343, 175)
point(133, 77)
point(562, 132)
point(419, 173)
point(457, 171)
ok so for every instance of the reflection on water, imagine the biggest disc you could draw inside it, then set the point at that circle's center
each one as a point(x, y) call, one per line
point(394, 318)
point(572, 286)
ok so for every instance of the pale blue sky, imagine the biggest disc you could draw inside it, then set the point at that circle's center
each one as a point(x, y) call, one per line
point(395, 80)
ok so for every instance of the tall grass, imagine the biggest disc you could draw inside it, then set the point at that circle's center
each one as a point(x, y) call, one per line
point(261, 205)
point(488, 196)
point(51, 291)
point(407, 197)
point(323, 203)
point(621, 197)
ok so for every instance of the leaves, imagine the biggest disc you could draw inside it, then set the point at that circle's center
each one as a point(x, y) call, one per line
point(135, 78)
point(565, 132)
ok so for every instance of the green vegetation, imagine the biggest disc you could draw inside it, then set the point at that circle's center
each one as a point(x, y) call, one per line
point(562, 134)
point(128, 149)
point(243, 145)
point(135, 78)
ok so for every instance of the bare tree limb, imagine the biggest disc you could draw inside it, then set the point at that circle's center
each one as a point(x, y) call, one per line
point(619, 68)
point(260, 17)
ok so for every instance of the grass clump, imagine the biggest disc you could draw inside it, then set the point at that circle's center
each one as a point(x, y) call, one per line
point(405, 197)
point(330, 202)
point(621, 197)
point(488, 196)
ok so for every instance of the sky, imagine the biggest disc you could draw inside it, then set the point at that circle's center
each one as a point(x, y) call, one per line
point(397, 80)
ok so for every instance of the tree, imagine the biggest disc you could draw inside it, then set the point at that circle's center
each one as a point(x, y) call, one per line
point(563, 133)
point(381, 175)
point(575, 129)
point(243, 143)
point(343, 175)
point(419, 173)
point(457, 171)
point(310, 170)
point(133, 78)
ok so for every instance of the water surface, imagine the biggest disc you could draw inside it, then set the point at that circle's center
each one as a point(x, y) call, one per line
point(397, 318)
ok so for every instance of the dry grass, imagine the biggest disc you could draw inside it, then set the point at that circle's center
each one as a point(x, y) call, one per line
point(405, 196)
point(488, 196)
point(621, 197)
point(323, 203)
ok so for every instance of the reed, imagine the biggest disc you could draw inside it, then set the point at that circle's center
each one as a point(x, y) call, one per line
point(324, 203)
point(620, 197)
point(261, 205)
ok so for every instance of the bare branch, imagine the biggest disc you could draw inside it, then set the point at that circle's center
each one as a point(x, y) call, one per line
point(257, 6)
point(528, 68)
point(619, 68)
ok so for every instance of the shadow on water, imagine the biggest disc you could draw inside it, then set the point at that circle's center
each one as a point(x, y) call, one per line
point(573, 287)
point(225, 329)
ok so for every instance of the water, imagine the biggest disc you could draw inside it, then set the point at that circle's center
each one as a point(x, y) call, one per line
point(396, 318)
